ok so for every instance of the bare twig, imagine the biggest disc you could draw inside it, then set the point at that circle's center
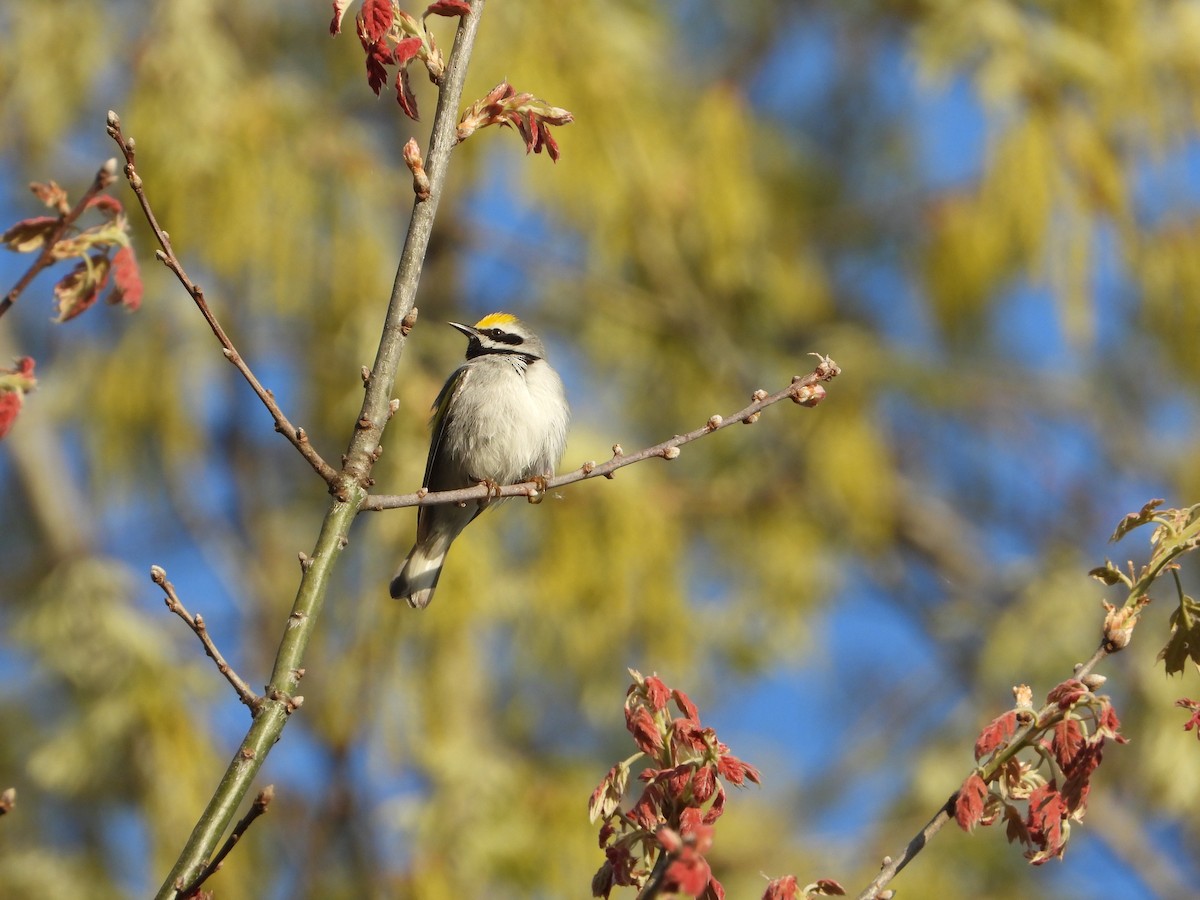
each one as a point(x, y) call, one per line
point(105, 176)
point(804, 389)
point(196, 623)
point(257, 808)
point(167, 256)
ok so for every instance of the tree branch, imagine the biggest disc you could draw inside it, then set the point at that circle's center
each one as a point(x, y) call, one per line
point(166, 255)
point(105, 176)
point(348, 487)
point(247, 696)
point(1019, 741)
point(805, 390)
point(257, 808)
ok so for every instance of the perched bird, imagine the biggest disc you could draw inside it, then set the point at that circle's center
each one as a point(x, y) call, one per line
point(501, 418)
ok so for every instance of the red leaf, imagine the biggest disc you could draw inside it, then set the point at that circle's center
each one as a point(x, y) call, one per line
point(785, 888)
point(339, 11)
point(404, 95)
point(686, 706)
point(687, 732)
point(972, 797)
point(79, 288)
point(1046, 815)
point(735, 771)
point(1067, 741)
point(704, 784)
point(1015, 828)
point(996, 734)
point(1067, 693)
point(688, 873)
point(407, 49)
point(551, 144)
point(657, 692)
point(718, 807)
point(448, 8)
point(378, 56)
point(646, 811)
point(29, 234)
point(15, 383)
point(127, 280)
point(1110, 725)
point(109, 206)
point(1194, 721)
point(375, 19)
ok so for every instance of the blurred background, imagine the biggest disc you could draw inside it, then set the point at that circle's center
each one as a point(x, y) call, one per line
point(985, 212)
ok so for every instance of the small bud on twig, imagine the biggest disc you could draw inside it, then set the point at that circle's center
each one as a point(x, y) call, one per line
point(412, 159)
point(671, 453)
point(714, 422)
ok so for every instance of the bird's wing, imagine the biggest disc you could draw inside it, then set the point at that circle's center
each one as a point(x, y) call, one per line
point(443, 415)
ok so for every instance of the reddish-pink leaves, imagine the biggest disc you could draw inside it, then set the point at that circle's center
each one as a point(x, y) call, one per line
point(448, 8)
point(99, 250)
point(30, 234)
point(972, 798)
point(78, 289)
point(127, 281)
point(1194, 721)
point(1067, 693)
point(785, 888)
point(1068, 737)
point(996, 734)
point(682, 798)
point(15, 383)
point(375, 19)
point(339, 12)
point(530, 116)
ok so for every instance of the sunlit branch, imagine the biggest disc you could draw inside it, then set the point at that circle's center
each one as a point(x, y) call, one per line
point(196, 623)
point(167, 256)
point(805, 390)
point(257, 808)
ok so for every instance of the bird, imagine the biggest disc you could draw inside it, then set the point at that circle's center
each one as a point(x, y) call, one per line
point(501, 418)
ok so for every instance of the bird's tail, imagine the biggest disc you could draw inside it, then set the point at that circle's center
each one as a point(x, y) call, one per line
point(417, 577)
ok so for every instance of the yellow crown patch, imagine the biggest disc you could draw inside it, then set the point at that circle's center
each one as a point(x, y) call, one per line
point(496, 319)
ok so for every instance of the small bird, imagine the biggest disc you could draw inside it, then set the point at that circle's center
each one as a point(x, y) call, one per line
point(501, 418)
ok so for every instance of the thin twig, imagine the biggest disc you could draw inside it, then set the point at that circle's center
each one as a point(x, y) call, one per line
point(105, 176)
point(167, 256)
point(257, 808)
point(196, 623)
point(801, 390)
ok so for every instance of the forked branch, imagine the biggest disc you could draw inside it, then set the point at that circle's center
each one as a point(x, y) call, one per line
point(166, 255)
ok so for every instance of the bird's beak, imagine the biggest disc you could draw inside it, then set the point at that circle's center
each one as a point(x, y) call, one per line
point(465, 329)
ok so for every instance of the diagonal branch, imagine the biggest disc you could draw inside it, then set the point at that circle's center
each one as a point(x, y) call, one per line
point(891, 867)
point(804, 389)
point(196, 623)
point(166, 255)
point(348, 487)
point(105, 176)
point(257, 808)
